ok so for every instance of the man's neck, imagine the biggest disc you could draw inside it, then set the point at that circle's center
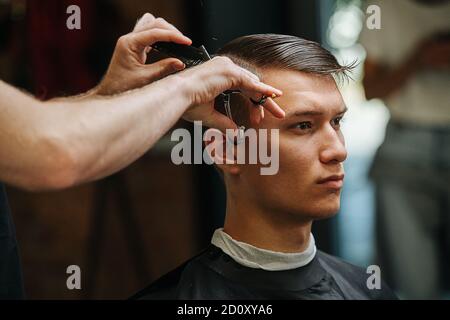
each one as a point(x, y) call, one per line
point(275, 231)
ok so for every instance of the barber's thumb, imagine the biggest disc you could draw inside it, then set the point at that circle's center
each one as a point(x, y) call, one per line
point(164, 68)
point(219, 121)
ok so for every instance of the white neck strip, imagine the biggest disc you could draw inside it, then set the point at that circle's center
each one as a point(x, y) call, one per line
point(257, 258)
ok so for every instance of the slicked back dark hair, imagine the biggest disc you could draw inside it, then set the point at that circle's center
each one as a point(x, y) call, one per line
point(276, 51)
point(261, 51)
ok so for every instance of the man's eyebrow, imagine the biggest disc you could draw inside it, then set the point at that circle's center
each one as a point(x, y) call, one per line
point(300, 113)
point(305, 113)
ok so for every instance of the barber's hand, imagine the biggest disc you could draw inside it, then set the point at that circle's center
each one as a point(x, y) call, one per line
point(208, 80)
point(128, 70)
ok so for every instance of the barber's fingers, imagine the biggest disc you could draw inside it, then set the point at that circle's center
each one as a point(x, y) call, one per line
point(150, 22)
point(145, 22)
point(270, 104)
point(140, 40)
point(257, 111)
point(219, 121)
point(160, 23)
point(255, 90)
point(163, 68)
point(256, 114)
point(250, 86)
point(250, 74)
point(163, 24)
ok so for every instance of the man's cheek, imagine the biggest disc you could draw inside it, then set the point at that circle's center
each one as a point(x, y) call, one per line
point(294, 160)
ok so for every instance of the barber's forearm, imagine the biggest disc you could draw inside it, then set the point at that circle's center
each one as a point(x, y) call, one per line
point(27, 158)
point(103, 135)
point(61, 143)
point(82, 96)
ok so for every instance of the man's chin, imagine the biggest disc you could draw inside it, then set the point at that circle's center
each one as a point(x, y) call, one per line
point(325, 210)
point(316, 212)
point(326, 214)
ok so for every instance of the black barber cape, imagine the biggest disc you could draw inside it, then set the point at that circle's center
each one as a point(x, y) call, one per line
point(215, 275)
point(11, 286)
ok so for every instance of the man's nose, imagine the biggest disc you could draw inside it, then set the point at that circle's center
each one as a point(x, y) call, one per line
point(333, 148)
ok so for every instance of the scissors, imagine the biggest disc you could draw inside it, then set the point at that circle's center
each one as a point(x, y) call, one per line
point(192, 56)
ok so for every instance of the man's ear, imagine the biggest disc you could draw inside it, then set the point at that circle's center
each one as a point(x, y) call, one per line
point(221, 152)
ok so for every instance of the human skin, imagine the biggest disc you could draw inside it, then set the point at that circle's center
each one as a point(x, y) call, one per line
point(276, 212)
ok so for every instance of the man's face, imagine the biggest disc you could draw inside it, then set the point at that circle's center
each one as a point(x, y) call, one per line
point(311, 148)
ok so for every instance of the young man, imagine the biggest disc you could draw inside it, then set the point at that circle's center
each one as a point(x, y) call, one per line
point(266, 249)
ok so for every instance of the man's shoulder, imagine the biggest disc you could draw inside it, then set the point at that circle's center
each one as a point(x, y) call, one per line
point(196, 278)
point(163, 288)
point(338, 263)
point(166, 287)
point(348, 275)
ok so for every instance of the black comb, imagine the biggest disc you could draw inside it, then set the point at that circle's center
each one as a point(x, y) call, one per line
point(189, 55)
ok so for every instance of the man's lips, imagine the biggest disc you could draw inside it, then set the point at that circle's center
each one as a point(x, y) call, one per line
point(334, 181)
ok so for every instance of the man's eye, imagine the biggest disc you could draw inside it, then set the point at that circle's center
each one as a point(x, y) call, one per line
point(303, 125)
point(337, 121)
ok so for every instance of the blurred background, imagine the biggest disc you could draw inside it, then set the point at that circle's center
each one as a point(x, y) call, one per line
point(129, 229)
